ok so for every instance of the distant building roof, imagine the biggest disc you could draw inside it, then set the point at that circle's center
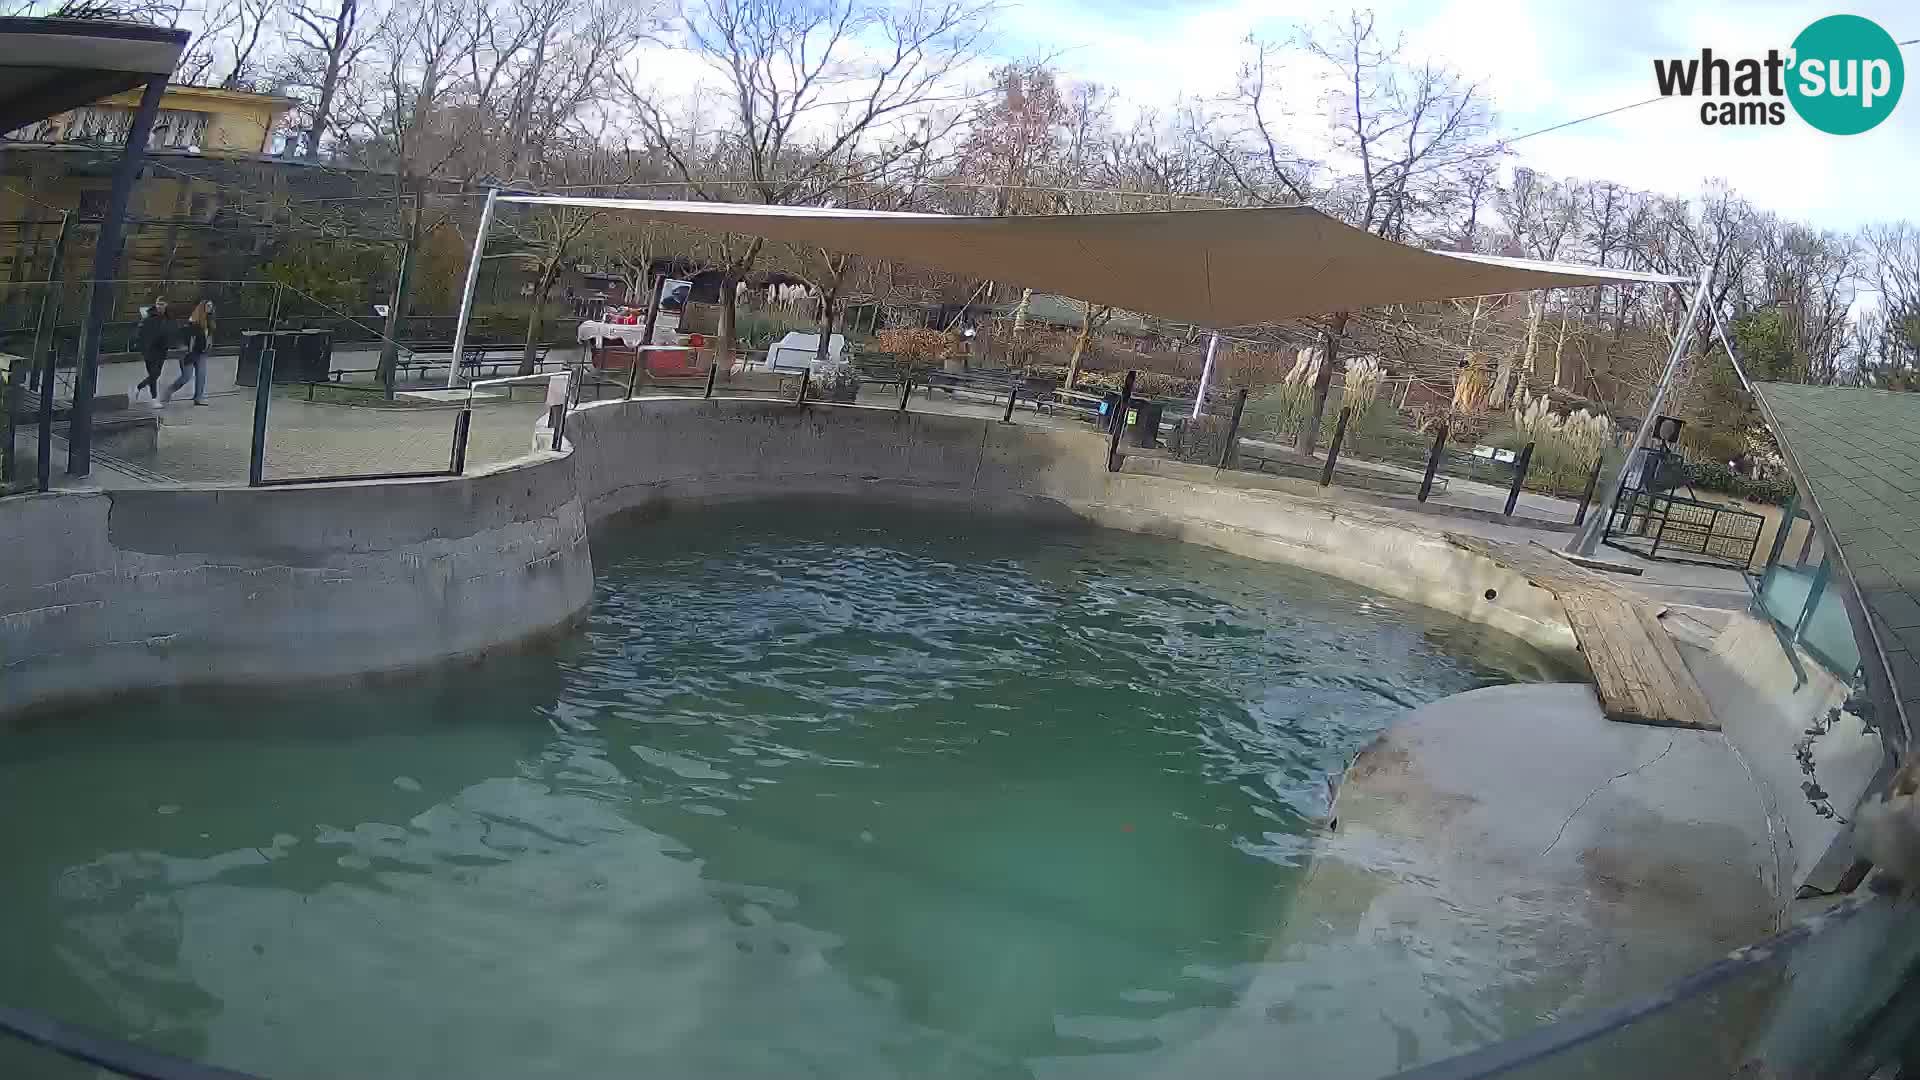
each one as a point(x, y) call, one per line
point(1857, 455)
point(51, 65)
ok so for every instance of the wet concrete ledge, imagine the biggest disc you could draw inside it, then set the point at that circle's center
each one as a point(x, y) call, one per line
point(110, 592)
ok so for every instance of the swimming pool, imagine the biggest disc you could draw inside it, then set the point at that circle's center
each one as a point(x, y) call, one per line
point(859, 791)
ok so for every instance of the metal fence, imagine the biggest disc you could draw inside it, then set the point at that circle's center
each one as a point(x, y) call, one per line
point(1662, 525)
point(1359, 453)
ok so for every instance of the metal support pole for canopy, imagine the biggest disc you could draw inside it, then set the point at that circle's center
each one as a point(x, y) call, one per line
point(106, 267)
point(1587, 540)
point(466, 294)
point(1206, 375)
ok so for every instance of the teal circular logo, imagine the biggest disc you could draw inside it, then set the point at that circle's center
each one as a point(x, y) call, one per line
point(1846, 74)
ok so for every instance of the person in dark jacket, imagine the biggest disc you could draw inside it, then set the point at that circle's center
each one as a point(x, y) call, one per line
point(193, 363)
point(153, 337)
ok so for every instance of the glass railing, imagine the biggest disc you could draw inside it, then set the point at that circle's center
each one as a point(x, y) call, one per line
point(1797, 593)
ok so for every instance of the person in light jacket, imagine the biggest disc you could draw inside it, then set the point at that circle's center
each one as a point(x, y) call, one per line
point(193, 363)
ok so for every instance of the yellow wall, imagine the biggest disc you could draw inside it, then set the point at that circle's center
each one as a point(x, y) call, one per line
point(240, 123)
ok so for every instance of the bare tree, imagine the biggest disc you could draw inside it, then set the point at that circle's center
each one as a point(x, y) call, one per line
point(224, 49)
point(329, 37)
point(818, 95)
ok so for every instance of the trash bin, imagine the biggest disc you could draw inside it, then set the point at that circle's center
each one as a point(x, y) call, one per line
point(1145, 423)
point(311, 361)
point(251, 342)
point(286, 356)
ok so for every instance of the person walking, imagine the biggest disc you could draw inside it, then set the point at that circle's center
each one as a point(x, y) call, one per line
point(193, 363)
point(155, 333)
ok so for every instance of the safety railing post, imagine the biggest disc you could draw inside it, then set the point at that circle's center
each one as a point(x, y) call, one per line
point(1013, 393)
point(1119, 421)
point(646, 332)
point(43, 478)
point(906, 390)
point(461, 424)
point(805, 377)
point(1586, 497)
point(262, 398)
point(1333, 448)
point(1815, 592)
point(1230, 447)
point(1519, 477)
point(713, 373)
point(1433, 461)
point(556, 415)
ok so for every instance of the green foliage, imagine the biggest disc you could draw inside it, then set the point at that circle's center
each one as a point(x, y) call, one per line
point(1767, 348)
point(755, 330)
point(1145, 384)
point(1715, 476)
point(1558, 467)
point(333, 274)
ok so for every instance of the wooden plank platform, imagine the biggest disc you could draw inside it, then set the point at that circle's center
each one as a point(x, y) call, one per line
point(1638, 673)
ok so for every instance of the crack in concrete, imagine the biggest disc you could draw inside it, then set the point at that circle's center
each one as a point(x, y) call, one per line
point(1605, 785)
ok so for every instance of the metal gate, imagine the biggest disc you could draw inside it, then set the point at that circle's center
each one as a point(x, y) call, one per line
point(1666, 526)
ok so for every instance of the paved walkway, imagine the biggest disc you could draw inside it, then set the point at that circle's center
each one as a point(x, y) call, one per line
point(213, 443)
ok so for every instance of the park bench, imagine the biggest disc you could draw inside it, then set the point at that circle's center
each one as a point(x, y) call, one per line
point(1036, 392)
point(478, 361)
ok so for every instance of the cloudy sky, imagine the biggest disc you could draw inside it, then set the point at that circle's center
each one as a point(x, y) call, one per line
point(1545, 62)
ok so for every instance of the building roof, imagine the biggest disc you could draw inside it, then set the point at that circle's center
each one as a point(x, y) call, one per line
point(180, 95)
point(1217, 268)
point(48, 66)
point(1856, 453)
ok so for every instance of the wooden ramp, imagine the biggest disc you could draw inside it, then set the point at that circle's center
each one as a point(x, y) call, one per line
point(1638, 673)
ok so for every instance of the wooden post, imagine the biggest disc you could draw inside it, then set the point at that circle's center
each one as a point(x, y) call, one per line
point(1232, 443)
point(1519, 477)
point(262, 398)
point(805, 378)
point(1322, 382)
point(713, 372)
point(1433, 461)
point(1586, 497)
point(1013, 393)
point(461, 425)
point(1333, 449)
point(1119, 422)
point(906, 389)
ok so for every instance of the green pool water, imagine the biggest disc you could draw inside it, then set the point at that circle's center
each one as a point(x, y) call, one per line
point(816, 791)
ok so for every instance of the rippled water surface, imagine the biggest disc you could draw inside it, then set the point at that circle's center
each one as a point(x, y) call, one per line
point(817, 792)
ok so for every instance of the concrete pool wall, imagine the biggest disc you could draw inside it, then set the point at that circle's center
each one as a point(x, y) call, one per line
point(138, 589)
point(653, 454)
point(104, 592)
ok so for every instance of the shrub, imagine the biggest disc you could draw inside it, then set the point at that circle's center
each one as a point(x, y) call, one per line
point(1715, 476)
point(917, 345)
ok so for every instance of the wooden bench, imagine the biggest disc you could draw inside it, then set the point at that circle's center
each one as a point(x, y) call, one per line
point(477, 361)
point(1037, 392)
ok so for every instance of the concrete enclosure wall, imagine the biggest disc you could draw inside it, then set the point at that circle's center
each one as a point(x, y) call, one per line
point(660, 451)
point(103, 592)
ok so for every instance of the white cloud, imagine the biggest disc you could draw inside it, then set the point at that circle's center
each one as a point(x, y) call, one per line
point(1544, 64)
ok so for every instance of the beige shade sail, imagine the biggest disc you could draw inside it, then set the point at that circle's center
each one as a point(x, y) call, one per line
point(1218, 268)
